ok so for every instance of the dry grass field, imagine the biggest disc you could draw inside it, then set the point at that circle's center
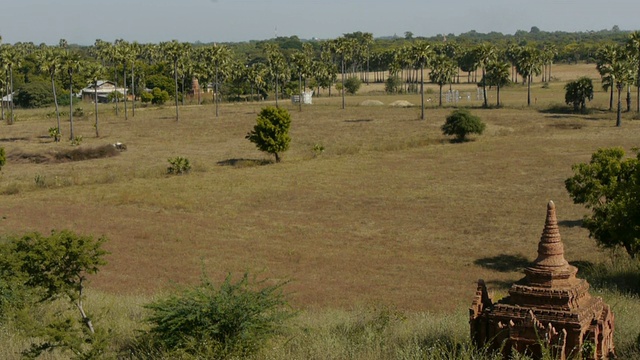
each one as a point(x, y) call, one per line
point(390, 213)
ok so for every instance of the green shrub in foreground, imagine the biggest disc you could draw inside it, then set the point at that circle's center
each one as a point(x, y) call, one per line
point(178, 165)
point(462, 123)
point(233, 319)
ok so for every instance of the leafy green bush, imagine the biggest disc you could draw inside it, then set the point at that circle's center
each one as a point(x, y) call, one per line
point(271, 132)
point(352, 85)
point(146, 97)
point(392, 85)
point(55, 134)
point(37, 271)
point(159, 96)
point(178, 165)
point(234, 319)
point(462, 123)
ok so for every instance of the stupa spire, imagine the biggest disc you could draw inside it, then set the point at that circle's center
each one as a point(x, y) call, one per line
point(550, 248)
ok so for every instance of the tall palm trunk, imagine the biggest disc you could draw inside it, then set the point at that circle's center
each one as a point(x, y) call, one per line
point(529, 90)
point(55, 101)
point(70, 106)
point(422, 91)
point(628, 98)
point(484, 87)
point(12, 99)
point(95, 102)
point(133, 90)
point(116, 93)
point(619, 114)
point(611, 98)
point(175, 80)
point(124, 78)
point(342, 90)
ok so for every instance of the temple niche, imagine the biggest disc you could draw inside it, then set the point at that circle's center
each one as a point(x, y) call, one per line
point(547, 309)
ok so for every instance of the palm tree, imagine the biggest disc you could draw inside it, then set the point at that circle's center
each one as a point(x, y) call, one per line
point(49, 61)
point(173, 51)
point(344, 48)
point(94, 72)
point(422, 54)
point(633, 45)
point(443, 70)
point(71, 64)
point(605, 57)
point(485, 53)
point(276, 64)
point(622, 72)
point(124, 54)
point(215, 62)
point(528, 65)
point(498, 76)
point(10, 58)
point(302, 62)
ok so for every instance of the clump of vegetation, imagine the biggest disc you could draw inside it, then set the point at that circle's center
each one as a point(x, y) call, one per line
point(3, 158)
point(55, 134)
point(78, 111)
point(233, 319)
point(318, 149)
point(83, 153)
point(578, 92)
point(271, 132)
point(77, 140)
point(609, 185)
point(393, 84)
point(178, 165)
point(159, 96)
point(352, 85)
point(37, 271)
point(462, 123)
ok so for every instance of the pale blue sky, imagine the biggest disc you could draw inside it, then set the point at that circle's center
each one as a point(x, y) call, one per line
point(84, 21)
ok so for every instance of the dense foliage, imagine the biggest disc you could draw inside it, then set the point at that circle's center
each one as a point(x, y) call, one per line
point(271, 132)
point(233, 319)
point(578, 92)
point(609, 185)
point(462, 123)
point(3, 158)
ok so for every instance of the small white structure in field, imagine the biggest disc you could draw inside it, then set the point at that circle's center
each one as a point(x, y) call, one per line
point(306, 98)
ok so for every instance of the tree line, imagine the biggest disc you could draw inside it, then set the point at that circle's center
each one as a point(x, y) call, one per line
point(288, 65)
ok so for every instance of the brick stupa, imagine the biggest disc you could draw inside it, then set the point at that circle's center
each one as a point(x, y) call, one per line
point(548, 308)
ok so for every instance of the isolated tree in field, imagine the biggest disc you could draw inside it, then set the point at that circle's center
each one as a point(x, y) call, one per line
point(497, 75)
point(609, 185)
point(443, 69)
point(462, 123)
point(271, 132)
point(94, 72)
point(49, 61)
point(578, 92)
point(423, 54)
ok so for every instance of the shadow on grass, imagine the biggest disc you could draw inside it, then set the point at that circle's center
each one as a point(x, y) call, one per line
point(358, 120)
point(570, 223)
point(13, 139)
point(240, 163)
point(504, 263)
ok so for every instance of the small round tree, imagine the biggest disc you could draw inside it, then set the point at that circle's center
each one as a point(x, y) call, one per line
point(271, 132)
point(462, 123)
point(578, 92)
